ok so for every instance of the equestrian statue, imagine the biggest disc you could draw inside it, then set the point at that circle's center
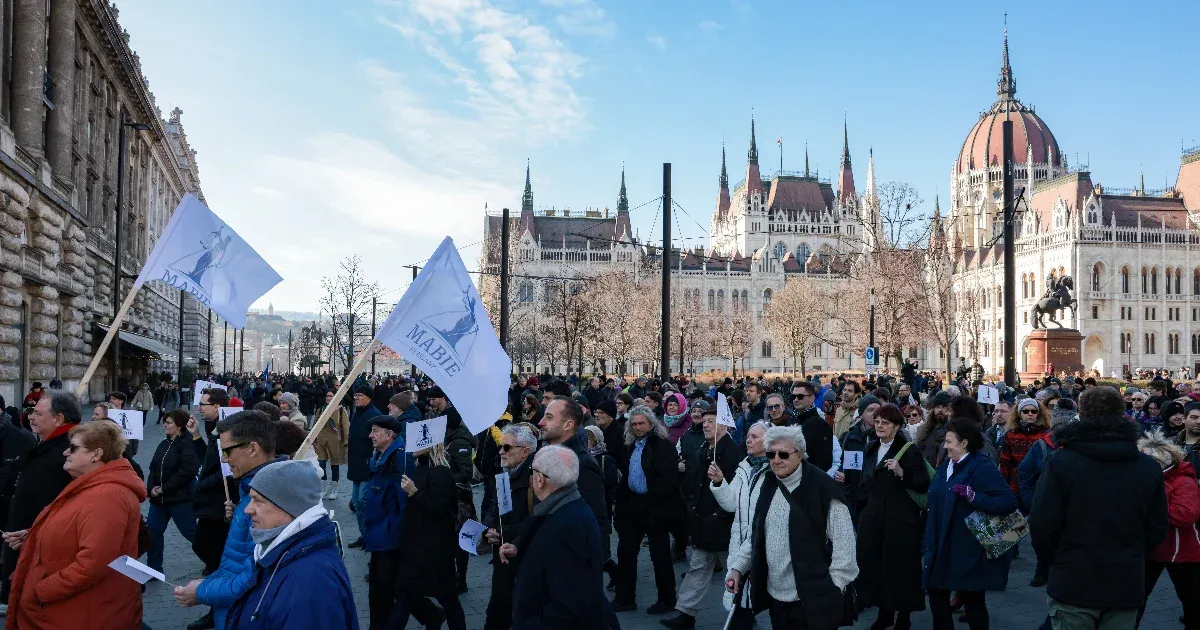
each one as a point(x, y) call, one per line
point(1058, 297)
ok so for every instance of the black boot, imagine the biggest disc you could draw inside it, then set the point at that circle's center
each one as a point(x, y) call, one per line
point(681, 621)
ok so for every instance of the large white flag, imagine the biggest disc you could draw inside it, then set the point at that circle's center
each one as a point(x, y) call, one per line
point(441, 326)
point(200, 254)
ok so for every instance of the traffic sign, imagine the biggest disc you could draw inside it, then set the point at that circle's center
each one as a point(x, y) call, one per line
point(872, 355)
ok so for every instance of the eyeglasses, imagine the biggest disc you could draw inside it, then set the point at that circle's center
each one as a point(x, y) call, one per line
point(540, 473)
point(914, 415)
point(226, 450)
point(784, 455)
point(774, 407)
point(74, 447)
point(508, 447)
point(1030, 411)
point(202, 404)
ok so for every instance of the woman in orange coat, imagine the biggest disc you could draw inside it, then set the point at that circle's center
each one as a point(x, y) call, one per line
point(62, 579)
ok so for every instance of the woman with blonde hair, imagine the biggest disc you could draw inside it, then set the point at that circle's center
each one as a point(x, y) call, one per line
point(1179, 553)
point(426, 567)
point(62, 578)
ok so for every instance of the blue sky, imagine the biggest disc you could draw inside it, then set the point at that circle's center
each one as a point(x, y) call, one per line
point(379, 126)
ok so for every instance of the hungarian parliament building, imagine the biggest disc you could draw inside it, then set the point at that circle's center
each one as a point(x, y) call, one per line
point(1130, 252)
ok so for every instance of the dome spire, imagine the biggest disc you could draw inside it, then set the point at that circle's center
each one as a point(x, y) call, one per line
point(622, 198)
point(1006, 87)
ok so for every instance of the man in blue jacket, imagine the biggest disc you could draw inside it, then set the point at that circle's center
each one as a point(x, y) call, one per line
point(383, 514)
point(298, 580)
point(247, 440)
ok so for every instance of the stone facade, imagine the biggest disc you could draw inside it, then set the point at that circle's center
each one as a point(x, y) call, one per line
point(68, 82)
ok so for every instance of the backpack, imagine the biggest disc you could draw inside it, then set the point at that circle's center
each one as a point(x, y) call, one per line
point(920, 498)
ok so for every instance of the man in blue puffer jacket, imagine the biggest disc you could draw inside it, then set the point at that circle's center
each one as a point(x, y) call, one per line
point(247, 441)
point(383, 513)
point(298, 580)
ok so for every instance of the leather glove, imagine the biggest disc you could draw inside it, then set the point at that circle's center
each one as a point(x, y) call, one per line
point(965, 492)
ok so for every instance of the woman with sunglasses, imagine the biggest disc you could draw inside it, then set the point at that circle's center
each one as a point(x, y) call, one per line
point(890, 526)
point(914, 417)
point(1029, 422)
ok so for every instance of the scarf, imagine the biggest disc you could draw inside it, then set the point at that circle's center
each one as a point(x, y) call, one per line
point(671, 421)
point(756, 463)
point(265, 536)
point(557, 499)
point(596, 451)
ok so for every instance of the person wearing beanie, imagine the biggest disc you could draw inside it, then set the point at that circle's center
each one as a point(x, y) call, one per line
point(358, 452)
point(1028, 424)
point(383, 512)
point(613, 430)
point(1098, 464)
point(289, 408)
point(298, 579)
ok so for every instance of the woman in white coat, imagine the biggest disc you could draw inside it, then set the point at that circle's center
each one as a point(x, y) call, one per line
point(739, 496)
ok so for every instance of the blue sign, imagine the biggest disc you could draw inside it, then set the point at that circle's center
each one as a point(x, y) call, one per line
point(872, 355)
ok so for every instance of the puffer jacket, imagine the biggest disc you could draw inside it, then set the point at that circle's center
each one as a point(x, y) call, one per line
point(738, 496)
point(236, 570)
point(1182, 543)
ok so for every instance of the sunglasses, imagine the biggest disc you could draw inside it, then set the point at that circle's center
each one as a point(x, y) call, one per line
point(229, 449)
point(784, 455)
point(74, 447)
point(508, 447)
point(774, 407)
point(1030, 411)
point(914, 415)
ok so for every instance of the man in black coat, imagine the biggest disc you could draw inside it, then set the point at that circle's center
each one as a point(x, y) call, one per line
point(648, 504)
point(558, 583)
point(561, 424)
point(358, 453)
point(1099, 509)
point(38, 476)
point(817, 432)
point(208, 499)
point(708, 524)
point(15, 442)
point(516, 458)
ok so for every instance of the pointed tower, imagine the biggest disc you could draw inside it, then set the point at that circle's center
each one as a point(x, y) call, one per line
point(872, 222)
point(621, 229)
point(806, 158)
point(526, 224)
point(753, 178)
point(723, 189)
point(845, 191)
point(937, 232)
point(871, 192)
point(1006, 87)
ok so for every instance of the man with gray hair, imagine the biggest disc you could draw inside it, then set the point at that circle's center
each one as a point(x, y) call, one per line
point(799, 567)
point(558, 580)
point(38, 477)
point(517, 447)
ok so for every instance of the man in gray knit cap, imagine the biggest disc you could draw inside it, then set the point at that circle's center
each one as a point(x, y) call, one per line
point(296, 556)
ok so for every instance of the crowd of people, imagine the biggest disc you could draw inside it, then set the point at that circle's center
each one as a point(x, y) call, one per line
point(815, 500)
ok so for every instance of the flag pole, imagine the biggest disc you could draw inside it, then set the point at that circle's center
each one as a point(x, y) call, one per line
point(108, 337)
point(363, 358)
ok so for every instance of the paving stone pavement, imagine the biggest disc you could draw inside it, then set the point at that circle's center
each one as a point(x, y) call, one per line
point(1018, 608)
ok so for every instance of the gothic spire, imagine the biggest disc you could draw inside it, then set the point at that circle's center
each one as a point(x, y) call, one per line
point(806, 158)
point(527, 198)
point(622, 198)
point(845, 143)
point(1006, 87)
point(724, 174)
point(752, 155)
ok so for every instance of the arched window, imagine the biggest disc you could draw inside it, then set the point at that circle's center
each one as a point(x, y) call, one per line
point(745, 300)
point(1196, 282)
point(1096, 277)
point(733, 302)
point(1178, 276)
point(802, 252)
point(1125, 280)
point(1167, 284)
point(1195, 343)
point(1125, 343)
point(1149, 343)
point(766, 349)
point(766, 299)
point(1154, 281)
point(1145, 281)
point(712, 299)
point(781, 248)
point(1024, 286)
point(720, 300)
point(1173, 343)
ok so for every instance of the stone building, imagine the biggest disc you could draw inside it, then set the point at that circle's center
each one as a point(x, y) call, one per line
point(1134, 254)
point(69, 80)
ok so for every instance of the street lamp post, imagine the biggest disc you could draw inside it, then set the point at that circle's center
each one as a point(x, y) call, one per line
point(117, 275)
point(681, 346)
point(871, 341)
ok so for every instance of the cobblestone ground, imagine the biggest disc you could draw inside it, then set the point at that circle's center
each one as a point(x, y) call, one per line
point(1019, 608)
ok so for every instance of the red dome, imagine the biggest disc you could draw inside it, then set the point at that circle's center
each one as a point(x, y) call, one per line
point(984, 144)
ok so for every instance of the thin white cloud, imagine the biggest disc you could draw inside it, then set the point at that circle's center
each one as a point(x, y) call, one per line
point(742, 7)
point(656, 40)
point(582, 17)
point(709, 26)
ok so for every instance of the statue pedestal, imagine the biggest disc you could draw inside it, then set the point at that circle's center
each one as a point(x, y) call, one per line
point(1061, 348)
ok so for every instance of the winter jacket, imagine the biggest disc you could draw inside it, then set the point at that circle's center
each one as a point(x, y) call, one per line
point(359, 449)
point(890, 528)
point(383, 499)
point(62, 577)
point(39, 478)
point(738, 495)
point(298, 582)
point(143, 401)
point(558, 582)
point(381, 397)
point(691, 446)
point(460, 448)
point(1029, 472)
point(660, 463)
point(818, 437)
point(951, 556)
point(427, 566)
point(857, 438)
point(232, 577)
point(1097, 557)
point(15, 442)
point(709, 523)
point(1182, 543)
point(510, 525)
point(173, 467)
point(298, 419)
point(1013, 449)
point(208, 497)
point(591, 481)
point(1191, 452)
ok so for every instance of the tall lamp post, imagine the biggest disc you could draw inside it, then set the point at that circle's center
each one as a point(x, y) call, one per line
point(117, 274)
point(681, 346)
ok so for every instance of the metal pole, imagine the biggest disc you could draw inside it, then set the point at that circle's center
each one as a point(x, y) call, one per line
point(415, 269)
point(374, 307)
point(182, 295)
point(290, 351)
point(681, 346)
point(504, 281)
point(210, 365)
point(664, 361)
point(116, 347)
point(225, 349)
point(871, 340)
point(1010, 261)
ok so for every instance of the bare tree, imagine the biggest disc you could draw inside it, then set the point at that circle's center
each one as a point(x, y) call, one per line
point(569, 317)
point(347, 298)
point(903, 221)
point(794, 320)
point(939, 307)
point(970, 321)
point(731, 336)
